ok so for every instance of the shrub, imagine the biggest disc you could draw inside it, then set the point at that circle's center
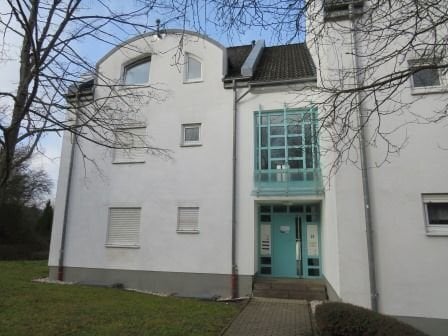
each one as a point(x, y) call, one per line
point(343, 319)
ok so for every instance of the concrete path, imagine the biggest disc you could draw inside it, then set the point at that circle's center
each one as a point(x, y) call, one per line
point(272, 317)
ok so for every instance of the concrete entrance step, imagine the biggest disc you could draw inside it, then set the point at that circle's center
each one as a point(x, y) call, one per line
point(285, 288)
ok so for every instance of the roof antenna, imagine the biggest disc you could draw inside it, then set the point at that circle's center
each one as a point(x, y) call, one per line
point(158, 28)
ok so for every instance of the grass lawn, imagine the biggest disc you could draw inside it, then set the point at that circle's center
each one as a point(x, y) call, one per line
point(28, 308)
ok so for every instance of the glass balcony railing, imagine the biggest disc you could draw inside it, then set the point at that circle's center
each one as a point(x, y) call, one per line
point(287, 181)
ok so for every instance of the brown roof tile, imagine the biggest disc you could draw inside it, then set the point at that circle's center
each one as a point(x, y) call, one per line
point(277, 63)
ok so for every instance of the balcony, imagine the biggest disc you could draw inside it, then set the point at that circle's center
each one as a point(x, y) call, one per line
point(288, 182)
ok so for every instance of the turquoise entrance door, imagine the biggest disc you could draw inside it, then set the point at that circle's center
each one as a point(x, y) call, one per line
point(284, 245)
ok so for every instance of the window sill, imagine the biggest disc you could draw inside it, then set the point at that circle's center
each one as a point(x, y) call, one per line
point(127, 162)
point(188, 231)
point(191, 145)
point(428, 90)
point(122, 246)
point(437, 231)
point(193, 81)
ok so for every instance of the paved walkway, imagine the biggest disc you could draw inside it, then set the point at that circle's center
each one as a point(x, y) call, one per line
point(272, 317)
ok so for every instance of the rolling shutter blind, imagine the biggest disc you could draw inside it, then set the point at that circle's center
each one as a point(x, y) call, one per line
point(124, 226)
point(130, 138)
point(188, 219)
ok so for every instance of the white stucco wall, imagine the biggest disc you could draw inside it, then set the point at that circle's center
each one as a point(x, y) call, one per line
point(191, 175)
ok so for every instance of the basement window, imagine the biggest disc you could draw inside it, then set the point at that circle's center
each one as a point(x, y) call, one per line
point(436, 214)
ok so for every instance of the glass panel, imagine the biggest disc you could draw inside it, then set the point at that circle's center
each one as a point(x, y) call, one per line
point(277, 153)
point(277, 130)
point(276, 118)
point(294, 141)
point(264, 136)
point(278, 141)
point(313, 272)
point(194, 69)
point(296, 208)
point(293, 118)
point(266, 260)
point(309, 218)
point(191, 133)
point(264, 164)
point(265, 208)
point(309, 157)
point(265, 218)
point(293, 164)
point(137, 73)
point(437, 213)
point(294, 129)
point(265, 270)
point(280, 208)
point(264, 120)
point(295, 152)
point(308, 140)
point(277, 164)
point(296, 176)
point(426, 77)
point(313, 261)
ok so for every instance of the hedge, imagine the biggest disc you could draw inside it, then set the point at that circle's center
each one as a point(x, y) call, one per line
point(343, 319)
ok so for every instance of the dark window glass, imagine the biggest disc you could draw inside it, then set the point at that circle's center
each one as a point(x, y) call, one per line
point(280, 208)
point(265, 218)
point(265, 260)
point(426, 77)
point(313, 261)
point(309, 218)
point(265, 208)
point(276, 119)
point(277, 130)
point(296, 208)
point(313, 272)
point(278, 141)
point(437, 213)
point(294, 129)
point(264, 137)
point(277, 153)
point(294, 141)
point(264, 159)
point(295, 152)
point(265, 270)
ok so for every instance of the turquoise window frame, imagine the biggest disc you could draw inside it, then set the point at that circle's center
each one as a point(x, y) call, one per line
point(287, 158)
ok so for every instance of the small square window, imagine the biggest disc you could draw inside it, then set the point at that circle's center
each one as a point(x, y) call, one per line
point(191, 134)
point(436, 213)
point(426, 77)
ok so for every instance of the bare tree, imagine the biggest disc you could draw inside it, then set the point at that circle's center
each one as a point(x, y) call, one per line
point(49, 88)
point(368, 52)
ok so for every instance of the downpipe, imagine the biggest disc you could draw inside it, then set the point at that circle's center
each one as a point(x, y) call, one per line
point(374, 296)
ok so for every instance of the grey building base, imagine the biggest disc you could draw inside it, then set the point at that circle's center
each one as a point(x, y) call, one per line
point(202, 285)
point(430, 326)
point(332, 295)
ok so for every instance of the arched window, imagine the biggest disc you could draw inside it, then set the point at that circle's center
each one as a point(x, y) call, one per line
point(193, 69)
point(137, 73)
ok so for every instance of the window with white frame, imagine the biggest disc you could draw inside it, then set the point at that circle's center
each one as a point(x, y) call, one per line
point(193, 69)
point(123, 227)
point(436, 213)
point(426, 77)
point(191, 134)
point(137, 73)
point(188, 219)
point(130, 145)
